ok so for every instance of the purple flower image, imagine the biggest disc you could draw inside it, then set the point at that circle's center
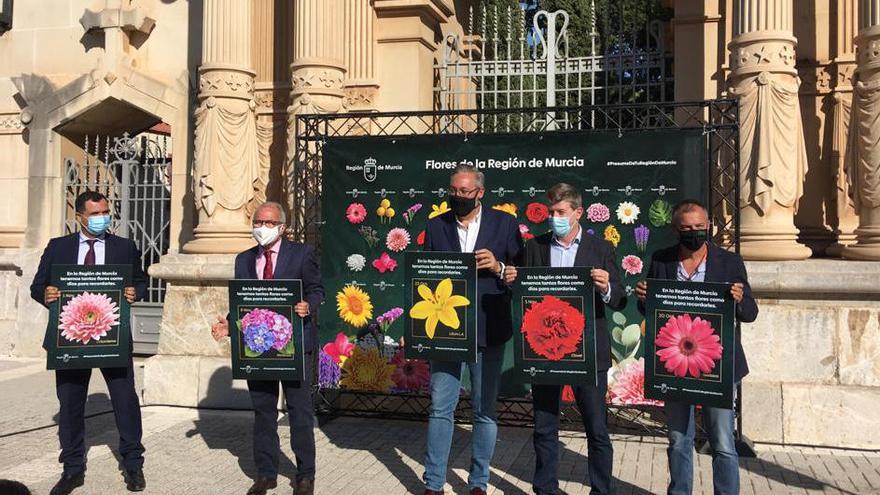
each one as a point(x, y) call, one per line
point(258, 337)
point(329, 372)
point(280, 326)
point(642, 233)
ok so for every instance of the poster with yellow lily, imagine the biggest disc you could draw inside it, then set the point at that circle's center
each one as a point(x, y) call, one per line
point(440, 314)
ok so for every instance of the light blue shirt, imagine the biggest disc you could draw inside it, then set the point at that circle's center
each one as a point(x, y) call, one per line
point(563, 257)
point(698, 276)
point(84, 248)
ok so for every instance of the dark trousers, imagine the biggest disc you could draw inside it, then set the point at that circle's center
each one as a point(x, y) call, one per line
point(72, 387)
point(264, 394)
point(600, 454)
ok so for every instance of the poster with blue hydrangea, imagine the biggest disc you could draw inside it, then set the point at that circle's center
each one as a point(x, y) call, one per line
point(266, 332)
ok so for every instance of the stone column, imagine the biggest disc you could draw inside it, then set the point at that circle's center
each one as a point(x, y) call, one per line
point(842, 215)
point(318, 70)
point(229, 179)
point(863, 156)
point(361, 87)
point(773, 159)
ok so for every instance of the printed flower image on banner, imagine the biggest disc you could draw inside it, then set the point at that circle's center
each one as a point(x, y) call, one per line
point(397, 239)
point(329, 371)
point(367, 370)
point(506, 208)
point(420, 240)
point(553, 328)
point(385, 212)
point(437, 210)
point(688, 346)
point(410, 213)
point(632, 264)
point(356, 262)
point(410, 375)
point(627, 212)
point(340, 349)
point(597, 212)
point(369, 234)
point(354, 306)
point(660, 213)
point(642, 234)
point(356, 213)
point(612, 235)
point(87, 317)
point(627, 387)
point(568, 395)
point(384, 263)
point(257, 339)
point(386, 319)
point(438, 307)
point(537, 212)
point(524, 232)
point(278, 325)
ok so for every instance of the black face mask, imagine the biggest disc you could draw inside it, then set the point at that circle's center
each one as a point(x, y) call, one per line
point(460, 206)
point(692, 240)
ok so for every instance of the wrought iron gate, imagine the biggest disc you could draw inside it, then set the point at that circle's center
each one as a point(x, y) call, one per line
point(135, 174)
point(506, 60)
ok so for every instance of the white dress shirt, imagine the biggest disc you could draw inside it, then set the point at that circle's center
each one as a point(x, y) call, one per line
point(467, 235)
point(84, 248)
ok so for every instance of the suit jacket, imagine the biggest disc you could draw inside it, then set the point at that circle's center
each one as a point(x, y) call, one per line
point(499, 233)
point(65, 251)
point(721, 266)
point(592, 252)
point(295, 261)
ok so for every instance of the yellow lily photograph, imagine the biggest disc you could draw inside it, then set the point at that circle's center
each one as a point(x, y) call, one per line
point(438, 306)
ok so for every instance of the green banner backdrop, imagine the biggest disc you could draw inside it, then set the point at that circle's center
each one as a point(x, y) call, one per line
point(378, 193)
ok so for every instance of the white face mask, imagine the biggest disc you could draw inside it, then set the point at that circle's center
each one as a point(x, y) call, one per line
point(266, 235)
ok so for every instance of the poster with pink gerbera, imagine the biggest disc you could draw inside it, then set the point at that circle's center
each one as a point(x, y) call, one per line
point(89, 325)
point(689, 343)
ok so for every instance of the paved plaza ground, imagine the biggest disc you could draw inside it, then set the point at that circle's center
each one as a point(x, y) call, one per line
point(203, 451)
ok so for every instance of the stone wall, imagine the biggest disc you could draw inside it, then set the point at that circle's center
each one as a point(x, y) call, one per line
point(814, 354)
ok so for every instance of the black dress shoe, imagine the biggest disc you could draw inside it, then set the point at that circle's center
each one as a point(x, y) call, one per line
point(134, 480)
point(68, 483)
point(304, 487)
point(261, 485)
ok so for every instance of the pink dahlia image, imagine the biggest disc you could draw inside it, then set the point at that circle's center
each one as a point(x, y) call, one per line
point(688, 346)
point(397, 239)
point(88, 317)
point(628, 387)
point(597, 212)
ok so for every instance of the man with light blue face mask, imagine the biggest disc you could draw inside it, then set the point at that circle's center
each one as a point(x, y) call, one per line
point(566, 246)
point(93, 245)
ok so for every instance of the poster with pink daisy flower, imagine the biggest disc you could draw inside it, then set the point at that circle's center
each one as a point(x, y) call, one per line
point(689, 343)
point(89, 324)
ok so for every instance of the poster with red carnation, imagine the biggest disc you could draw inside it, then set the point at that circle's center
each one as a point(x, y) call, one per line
point(89, 325)
point(553, 310)
point(689, 342)
point(440, 310)
point(266, 333)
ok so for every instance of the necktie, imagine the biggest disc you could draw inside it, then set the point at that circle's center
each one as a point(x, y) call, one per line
point(267, 268)
point(90, 254)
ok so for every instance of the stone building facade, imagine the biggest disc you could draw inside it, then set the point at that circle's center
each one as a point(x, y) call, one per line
point(224, 79)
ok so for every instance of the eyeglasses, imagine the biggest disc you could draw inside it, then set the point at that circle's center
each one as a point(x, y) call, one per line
point(267, 223)
point(463, 192)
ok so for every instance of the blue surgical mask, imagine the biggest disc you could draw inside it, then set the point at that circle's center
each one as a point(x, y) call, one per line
point(98, 224)
point(559, 226)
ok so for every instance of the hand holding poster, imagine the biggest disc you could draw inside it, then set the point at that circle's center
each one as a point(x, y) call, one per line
point(689, 342)
point(266, 333)
point(554, 314)
point(440, 315)
point(89, 325)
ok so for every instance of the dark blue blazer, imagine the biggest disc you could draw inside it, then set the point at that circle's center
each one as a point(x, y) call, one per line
point(596, 253)
point(65, 251)
point(499, 233)
point(721, 266)
point(295, 261)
